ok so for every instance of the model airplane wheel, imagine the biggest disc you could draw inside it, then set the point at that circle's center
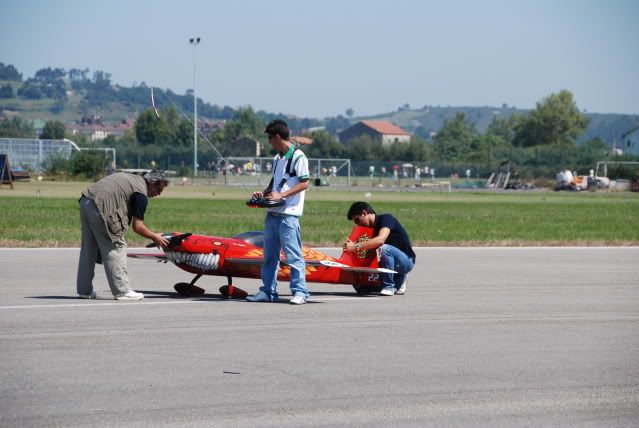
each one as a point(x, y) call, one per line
point(232, 292)
point(363, 290)
point(186, 290)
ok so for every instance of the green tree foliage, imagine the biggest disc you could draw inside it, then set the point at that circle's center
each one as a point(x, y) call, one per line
point(16, 127)
point(6, 91)
point(88, 164)
point(147, 127)
point(30, 90)
point(324, 146)
point(53, 130)
point(166, 130)
point(49, 75)
point(9, 72)
point(456, 140)
point(246, 124)
point(555, 121)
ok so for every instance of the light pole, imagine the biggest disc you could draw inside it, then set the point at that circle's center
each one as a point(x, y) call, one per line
point(194, 41)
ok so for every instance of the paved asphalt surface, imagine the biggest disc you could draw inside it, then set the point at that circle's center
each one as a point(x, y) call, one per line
point(484, 337)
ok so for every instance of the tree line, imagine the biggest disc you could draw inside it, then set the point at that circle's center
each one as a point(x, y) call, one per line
point(538, 143)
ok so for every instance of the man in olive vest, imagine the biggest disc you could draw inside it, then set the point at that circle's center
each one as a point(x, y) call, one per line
point(106, 210)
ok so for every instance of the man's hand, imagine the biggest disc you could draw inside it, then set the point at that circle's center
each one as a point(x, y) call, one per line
point(275, 196)
point(160, 240)
point(349, 246)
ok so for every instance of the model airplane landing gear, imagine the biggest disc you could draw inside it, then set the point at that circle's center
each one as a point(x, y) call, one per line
point(185, 289)
point(230, 291)
point(363, 290)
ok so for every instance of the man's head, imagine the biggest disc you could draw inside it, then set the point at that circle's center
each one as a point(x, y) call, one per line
point(278, 134)
point(360, 213)
point(278, 127)
point(155, 183)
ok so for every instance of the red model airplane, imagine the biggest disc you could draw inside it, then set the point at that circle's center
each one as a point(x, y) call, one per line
point(242, 256)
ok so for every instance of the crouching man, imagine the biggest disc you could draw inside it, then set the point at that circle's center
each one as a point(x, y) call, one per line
point(396, 252)
point(107, 208)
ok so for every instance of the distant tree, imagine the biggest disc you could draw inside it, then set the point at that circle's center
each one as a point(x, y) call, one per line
point(363, 148)
point(501, 131)
point(324, 146)
point(102, 80)
point(245, 124)
point(16, 127)
point(30, 90)
point(78, 74)
point(49, 75)
point(6, 91)
point(555, 121)
point(454, 141)
point(349, 112)
point(53, 130)
point(184, 133)
point(9, 72)
point(147, 127)
point(335, 124)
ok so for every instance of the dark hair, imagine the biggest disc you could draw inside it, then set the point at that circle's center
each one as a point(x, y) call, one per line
point(279, 127)
point(156, 177)
point(357, 208)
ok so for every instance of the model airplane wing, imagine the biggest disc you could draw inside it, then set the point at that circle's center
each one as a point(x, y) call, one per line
point(332, 263)
point(157, 256)
point(326, 263)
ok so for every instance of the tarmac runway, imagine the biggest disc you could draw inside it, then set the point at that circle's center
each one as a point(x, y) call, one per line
point(483, 337)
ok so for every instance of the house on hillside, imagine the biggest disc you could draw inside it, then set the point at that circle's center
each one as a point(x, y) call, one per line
point(378, 130)
point(630, 141)
point(96, 130)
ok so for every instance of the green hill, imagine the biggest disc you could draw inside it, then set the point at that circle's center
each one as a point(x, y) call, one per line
point(55, 94)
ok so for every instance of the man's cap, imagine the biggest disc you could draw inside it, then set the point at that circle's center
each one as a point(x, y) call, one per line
point(156, 176)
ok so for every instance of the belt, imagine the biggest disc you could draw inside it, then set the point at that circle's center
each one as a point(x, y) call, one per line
point(277, 214)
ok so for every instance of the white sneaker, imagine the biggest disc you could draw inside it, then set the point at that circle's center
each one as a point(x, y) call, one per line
point(130, 295)
point(402, 289)
point(388, 291)
point(298, 299)
point(260, 296)
point(92, 295)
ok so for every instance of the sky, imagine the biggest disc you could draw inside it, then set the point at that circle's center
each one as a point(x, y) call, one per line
point(319, 58)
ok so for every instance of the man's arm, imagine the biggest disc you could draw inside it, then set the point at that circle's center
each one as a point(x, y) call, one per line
point(140, 228)
point(374, 242)
point(299, 187)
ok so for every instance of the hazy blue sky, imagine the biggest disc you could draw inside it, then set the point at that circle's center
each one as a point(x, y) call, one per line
point(320, 58)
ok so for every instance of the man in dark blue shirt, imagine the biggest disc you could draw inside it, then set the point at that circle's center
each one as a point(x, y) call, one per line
point(396, 251)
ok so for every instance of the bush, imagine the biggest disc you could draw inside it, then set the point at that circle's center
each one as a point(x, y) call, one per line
point(88, 164)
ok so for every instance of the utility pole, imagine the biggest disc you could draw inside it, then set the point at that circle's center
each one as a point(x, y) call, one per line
point(194, 41)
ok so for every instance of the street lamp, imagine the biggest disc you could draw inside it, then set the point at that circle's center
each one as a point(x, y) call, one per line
point(194, 41)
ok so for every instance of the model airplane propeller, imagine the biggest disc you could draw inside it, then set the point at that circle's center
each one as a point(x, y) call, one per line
point(242, 256)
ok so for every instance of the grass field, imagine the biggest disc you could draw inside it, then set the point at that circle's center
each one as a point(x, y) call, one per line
point(46, 215)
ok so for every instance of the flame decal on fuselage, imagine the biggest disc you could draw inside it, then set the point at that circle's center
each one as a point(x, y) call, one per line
point(200, 261)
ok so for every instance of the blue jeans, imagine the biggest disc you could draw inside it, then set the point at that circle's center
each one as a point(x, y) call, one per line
point(282, 232)
point(393, 258)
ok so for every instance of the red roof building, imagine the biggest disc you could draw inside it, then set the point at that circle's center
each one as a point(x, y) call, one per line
point(379, 130)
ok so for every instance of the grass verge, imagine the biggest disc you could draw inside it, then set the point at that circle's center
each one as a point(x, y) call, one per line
point(432, 219)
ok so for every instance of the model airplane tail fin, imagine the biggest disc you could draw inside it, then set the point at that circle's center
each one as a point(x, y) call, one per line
point(363, 258)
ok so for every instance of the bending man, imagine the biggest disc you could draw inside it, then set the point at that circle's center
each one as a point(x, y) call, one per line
point(106, 210)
